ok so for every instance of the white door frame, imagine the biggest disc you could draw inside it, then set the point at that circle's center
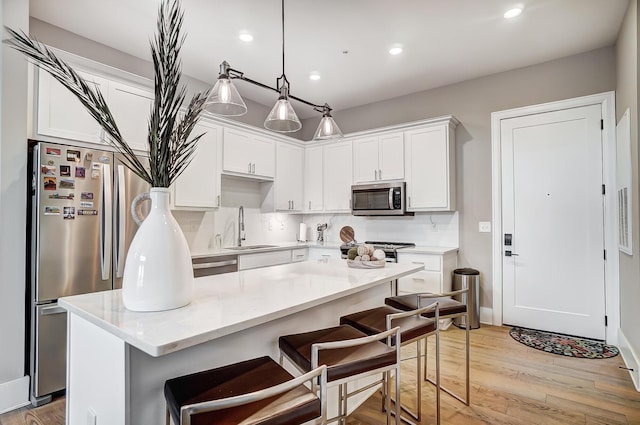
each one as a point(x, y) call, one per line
point(612, 284)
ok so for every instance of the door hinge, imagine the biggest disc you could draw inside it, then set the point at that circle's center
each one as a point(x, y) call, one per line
point(601, 124)
point(606, 321)
point(604, 190)
point(605, 255)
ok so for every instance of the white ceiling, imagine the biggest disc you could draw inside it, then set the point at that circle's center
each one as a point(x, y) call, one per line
point(444, 41)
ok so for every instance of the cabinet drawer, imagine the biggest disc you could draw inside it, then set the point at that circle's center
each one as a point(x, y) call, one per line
point(299, 254)
point(252, 261)
point(431, 262)
point(420, 282)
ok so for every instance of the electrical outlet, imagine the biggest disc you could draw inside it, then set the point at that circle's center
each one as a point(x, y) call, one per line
point(484, 227)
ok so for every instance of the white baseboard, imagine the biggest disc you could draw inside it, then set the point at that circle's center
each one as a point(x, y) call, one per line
point(486, 315)
point(14, 394)
point(630, 357)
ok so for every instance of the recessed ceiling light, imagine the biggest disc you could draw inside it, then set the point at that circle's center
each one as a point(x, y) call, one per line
point(314, 76)
point(512, 13)
point(395, 50)
point(246, 37)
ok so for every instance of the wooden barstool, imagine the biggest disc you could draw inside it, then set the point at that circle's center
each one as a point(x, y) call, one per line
point(257, 391)
point(349, 354)
point(414, 327)
point(449, 309)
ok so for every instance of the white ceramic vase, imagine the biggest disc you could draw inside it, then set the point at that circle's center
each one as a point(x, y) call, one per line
point(158, 274)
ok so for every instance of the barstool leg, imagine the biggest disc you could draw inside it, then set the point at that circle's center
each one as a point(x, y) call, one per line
point(168, 417)
point(398, 402)
point(467, 376)
point(438, 377)
point(418, 382)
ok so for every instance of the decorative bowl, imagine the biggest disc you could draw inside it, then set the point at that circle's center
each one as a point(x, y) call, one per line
point(377, 264)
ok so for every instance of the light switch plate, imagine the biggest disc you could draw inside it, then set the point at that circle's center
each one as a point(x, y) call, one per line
point(484, 227)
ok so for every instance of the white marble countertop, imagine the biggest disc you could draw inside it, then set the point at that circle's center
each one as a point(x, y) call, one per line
point(232, 302)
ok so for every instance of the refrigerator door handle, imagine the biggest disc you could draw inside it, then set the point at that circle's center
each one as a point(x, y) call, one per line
point(122, 221)
point(52, 310)
point(106, 225)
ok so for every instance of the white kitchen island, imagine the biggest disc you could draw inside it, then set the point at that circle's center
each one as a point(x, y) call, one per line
point(118, 360)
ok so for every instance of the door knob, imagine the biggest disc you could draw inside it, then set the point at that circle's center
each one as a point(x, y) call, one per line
point(510, 254)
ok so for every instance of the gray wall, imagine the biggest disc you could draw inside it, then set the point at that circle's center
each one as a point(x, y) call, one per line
point(472, 103)
point(13, 192)
point(627, 97)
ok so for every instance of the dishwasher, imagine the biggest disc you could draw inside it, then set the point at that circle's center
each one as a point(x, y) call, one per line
point(218, 264)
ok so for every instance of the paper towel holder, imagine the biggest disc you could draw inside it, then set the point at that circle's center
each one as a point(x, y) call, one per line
point(302, 234)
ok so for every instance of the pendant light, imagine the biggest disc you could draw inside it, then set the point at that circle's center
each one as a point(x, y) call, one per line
point(225, 100)
point(282, 117)
point(327, 129)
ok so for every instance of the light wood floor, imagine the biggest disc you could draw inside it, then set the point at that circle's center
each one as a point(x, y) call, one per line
point(510, 384)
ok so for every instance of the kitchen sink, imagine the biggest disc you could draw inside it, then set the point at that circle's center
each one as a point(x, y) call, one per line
point(242, 248)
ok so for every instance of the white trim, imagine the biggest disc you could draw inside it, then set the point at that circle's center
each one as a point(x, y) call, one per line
point(14, 394)
point(630, 357)
point(612, 284)
point(486, 315)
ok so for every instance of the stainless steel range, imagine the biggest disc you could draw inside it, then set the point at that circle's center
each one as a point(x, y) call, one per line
point(389, 248)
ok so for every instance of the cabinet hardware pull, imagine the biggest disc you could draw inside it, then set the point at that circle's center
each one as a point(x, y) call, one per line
point(375, 173)
point(309, 205)
point(418, 278)
point(417, 262)
point(409, 200)
point(249, 171)
point(379, 174)
point(218, 197)
point(292, 205)
point(253, 168)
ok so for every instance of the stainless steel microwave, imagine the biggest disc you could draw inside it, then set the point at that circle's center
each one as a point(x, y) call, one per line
point(379, 199)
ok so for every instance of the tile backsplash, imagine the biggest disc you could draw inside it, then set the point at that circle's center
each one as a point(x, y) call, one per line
point(426, 229)
point(200, 228)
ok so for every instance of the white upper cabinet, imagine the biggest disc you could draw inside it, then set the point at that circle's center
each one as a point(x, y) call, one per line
point(338, 176)
point(131, 108)
point(289, 176)
point(247, 154)
point(430, 168)
point(313, 199)
point(378, 158)
point(198, 187)
point(60, 113)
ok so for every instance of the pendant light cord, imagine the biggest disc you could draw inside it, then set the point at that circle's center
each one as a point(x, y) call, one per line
point(285, 78)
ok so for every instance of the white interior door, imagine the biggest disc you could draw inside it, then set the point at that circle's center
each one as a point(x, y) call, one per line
point(552, 205)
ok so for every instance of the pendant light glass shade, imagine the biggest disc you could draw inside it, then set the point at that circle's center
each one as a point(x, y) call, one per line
point(225, 99)
point(327, 129)
point(282, 117)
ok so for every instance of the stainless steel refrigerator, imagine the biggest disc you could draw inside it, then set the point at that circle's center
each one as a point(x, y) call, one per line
point(81, 229)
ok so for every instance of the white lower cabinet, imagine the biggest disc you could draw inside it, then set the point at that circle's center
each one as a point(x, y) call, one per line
point(324, 253)
point(263, 259)
point(435, 276)
point(299, 254)
point(198, 187)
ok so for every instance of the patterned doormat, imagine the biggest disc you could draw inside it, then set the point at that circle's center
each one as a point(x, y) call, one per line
point(563, 345)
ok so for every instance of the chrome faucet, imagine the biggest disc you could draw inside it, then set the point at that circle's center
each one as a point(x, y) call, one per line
point(240, 225)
